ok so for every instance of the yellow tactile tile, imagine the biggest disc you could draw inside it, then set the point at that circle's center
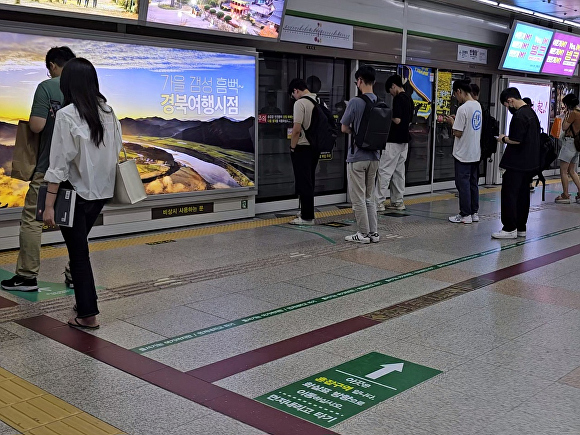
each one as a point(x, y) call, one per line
point(33, 411)
point(16, 390)
point(80, 424)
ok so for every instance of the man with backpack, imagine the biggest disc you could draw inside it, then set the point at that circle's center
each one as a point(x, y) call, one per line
point(391, 176)
point(362, 119)
point(303, 154)
point(521, 161)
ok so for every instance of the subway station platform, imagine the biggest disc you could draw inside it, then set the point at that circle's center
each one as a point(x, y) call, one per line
point(258, 327)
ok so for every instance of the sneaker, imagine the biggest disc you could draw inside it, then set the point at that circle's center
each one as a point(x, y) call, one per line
point(475, 217)
point(521, 234)
point(300, 221)
point(20, 283)
point(458, 219)
point(68, 281)
point(396, 206)
point(505, 235)
point(380, 207)
point(358, 238)
point(375, 238)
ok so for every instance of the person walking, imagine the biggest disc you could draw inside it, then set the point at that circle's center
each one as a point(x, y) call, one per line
point(521, 160)
point(86, 146)
point(466, 127)
point(568, 155)
point(48, 99)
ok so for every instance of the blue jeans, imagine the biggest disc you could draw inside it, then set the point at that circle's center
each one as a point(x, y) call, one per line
point(466, 176)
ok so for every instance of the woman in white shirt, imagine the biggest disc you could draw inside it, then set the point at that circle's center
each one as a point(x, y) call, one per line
point(85, 147)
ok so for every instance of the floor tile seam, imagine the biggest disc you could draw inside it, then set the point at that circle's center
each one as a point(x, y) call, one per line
point(163, 367)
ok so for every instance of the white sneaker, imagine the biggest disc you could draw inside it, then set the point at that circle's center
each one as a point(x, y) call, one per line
point(458, 219)
point(475, 217)
point(521, 234)
point(300, 221)
point(505, 235)
point(375, 238)
point(358, 238)
point(396, 206)
point(381, 207)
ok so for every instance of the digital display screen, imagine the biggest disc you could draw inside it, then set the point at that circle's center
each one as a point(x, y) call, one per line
point(563, 55)
point(261, 18)
point(187, 116)
point(527, 48)
point(128, 9)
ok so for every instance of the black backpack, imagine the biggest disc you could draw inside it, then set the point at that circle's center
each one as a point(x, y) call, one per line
point(323, 129)
point(374, 126)
point(489, 132)
point(547, 156)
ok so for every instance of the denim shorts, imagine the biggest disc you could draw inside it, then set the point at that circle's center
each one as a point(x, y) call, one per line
point(568, 151)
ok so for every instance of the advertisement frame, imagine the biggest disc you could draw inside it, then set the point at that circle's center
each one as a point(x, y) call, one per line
point(156, 200)
point(540, 73)
point(143, 12)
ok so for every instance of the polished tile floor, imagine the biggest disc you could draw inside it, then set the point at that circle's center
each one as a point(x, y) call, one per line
point(192, 331)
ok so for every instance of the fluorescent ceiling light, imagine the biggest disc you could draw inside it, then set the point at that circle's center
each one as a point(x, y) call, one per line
point(516, 9)
point(548, 17)
point(487, 2)
point(572, 23)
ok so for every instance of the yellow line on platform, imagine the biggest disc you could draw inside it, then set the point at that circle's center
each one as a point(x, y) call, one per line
point(33, 411)
point(10, 257)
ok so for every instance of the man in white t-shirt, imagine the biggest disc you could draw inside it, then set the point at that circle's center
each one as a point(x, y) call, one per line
point(466, 151)
point(304, 157)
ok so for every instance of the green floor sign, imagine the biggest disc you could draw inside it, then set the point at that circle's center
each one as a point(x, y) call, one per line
point(341, 392)
point(46, 290)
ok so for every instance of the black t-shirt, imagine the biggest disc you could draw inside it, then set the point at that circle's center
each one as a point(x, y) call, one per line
point(403, 108)
point(524, 128)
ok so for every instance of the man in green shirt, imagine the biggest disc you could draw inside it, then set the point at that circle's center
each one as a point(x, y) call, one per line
point(48, 99)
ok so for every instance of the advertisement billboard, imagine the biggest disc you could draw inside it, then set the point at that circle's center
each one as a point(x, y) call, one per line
point(124, 9)
point(260, 18)
point(187, 116)
point(526, 48)
point(540, 94)
point(563, 55)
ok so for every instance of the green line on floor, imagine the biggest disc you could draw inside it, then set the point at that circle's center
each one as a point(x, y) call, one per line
point(288, 308)
point(46, 290)
point(303, 228)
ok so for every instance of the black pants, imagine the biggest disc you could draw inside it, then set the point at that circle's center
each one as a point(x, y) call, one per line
point(466, 177)
point(75, 237)
point(304, 162)
point(515, 199)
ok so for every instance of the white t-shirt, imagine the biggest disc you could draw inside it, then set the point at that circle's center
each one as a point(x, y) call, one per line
point(467, 148)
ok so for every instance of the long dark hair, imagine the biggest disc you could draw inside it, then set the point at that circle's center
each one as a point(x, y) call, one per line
point(80, 86)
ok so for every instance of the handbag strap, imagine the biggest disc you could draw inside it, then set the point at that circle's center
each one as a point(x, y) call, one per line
point(118, 131)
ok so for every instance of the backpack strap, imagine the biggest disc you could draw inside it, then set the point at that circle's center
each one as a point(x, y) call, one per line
point(364, 122)
point(313, 101)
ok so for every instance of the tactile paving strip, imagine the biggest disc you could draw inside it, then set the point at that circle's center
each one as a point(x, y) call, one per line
point(33, 411)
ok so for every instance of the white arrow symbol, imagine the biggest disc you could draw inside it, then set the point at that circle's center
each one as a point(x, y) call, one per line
point(44, 289)
point(387, 368)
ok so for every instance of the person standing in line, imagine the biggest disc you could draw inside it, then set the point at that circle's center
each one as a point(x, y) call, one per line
point(304, 158)
point(86, 146)
point(568, 155)
point(391, 176)
point(521, 160)
point(466, 127)
point(361, 165)
point(47, 101)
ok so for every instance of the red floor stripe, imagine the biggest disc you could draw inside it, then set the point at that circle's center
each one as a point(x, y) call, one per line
point(219, 399)
point(7, 303)
point(245, 361)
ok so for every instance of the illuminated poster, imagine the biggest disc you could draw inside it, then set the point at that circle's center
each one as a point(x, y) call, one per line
point(110, 8)
point(444, 91)
point(419, 79)
point(248, 17)
point(562, 55)
point(187, 116)
point(540, 95)
point(527, 48)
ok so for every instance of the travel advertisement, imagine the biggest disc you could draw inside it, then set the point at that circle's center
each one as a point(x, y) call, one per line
point(128, 9)
point(187, 116)
point(261, 18)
